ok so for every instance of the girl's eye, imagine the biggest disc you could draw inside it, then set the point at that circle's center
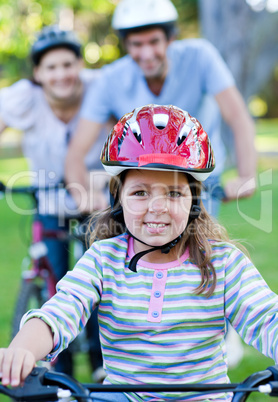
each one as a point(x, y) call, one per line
point(175, 194)
point(141, 193)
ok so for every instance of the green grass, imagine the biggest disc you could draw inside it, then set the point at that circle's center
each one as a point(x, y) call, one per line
point(266, 138)
point(260, 244)
point(262, 250)
point(14, 171)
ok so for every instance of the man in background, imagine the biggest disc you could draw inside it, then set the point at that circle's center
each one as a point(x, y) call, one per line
point(158, 69)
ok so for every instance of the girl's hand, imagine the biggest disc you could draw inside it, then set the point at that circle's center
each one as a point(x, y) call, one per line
point(15, 365)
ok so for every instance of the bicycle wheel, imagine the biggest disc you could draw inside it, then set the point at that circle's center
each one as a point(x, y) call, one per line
point(29, 297)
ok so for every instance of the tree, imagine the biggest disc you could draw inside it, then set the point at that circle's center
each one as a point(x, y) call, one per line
point(246, 39)
point(90, 19)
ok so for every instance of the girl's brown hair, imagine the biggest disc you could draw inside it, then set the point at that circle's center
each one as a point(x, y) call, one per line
point(197, 235)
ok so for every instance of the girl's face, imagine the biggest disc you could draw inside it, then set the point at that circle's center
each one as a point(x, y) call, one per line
point(156, 206)
point(58, 73)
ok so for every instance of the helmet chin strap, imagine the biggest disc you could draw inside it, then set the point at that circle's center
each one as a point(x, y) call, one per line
point(165, 249)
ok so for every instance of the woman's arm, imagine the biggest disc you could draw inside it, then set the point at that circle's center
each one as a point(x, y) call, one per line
point(32, 343)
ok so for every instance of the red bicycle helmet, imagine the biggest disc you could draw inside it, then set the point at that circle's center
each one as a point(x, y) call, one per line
point(159, 138)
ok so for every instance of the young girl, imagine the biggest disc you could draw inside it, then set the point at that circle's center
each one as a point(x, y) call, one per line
point(161, 271)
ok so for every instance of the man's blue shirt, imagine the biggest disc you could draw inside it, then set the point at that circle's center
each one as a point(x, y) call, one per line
point(196, 72)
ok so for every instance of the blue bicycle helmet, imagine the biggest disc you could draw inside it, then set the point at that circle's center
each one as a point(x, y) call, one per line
point(53, 37)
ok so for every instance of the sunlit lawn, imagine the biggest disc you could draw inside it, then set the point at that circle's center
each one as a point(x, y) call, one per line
point(254, 221)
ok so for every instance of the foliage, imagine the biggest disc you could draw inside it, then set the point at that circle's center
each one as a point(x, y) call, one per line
point(91, 19)
point(30, 16)
point(247, 40)
point(269, 93)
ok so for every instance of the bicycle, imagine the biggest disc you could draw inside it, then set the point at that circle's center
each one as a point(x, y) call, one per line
point(45, 385)
point(38, 280)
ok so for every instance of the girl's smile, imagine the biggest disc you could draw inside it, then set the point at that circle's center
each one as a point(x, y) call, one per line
point(156, 207)
point(154, 227)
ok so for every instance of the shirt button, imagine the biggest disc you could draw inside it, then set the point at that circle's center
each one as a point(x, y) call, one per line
point(155, 314)
point(157, 293)
point(159, 275)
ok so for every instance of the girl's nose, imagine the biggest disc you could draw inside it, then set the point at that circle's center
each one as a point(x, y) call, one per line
point(158, 205)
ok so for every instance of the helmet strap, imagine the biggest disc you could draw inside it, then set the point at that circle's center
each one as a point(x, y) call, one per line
point(165, 249)
point(116, 213)
point(194, 212)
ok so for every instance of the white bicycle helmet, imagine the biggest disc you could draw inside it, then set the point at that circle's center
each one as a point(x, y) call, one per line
point(131, 14)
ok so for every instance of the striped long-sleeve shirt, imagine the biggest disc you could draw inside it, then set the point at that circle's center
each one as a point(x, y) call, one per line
point(153, 328)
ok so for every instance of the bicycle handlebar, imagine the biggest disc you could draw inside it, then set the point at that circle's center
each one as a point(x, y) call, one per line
point(33, 191)
point(216, 191)
point(44, 385)
point(30, 190)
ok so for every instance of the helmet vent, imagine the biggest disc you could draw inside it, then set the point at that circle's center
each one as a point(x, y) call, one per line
point(136, 131)
point(183, 133)
point(160, 120)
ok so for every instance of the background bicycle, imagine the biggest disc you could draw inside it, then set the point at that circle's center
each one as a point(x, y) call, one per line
point(38, 278)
